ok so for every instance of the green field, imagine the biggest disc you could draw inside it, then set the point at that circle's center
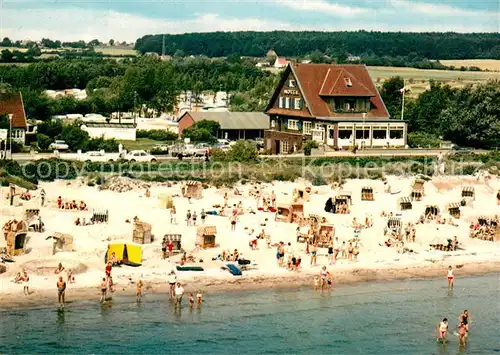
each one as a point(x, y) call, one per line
point(140, 144)
point(115, 51)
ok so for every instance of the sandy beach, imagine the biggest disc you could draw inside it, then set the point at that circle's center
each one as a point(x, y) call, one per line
point(125, 199)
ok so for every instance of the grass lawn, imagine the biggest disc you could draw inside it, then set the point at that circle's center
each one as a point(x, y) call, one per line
point(424, 74)
point(140, 144)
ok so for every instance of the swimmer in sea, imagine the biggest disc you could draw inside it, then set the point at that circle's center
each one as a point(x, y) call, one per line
point(316, 283)
point(442, 329)
point(191, 300)
point(450, 277)
point(104, 289)
point(61, 290)
point(138, 291)
point(465, 319)
point(462, 334)
point(199, 298)
point(324, 278)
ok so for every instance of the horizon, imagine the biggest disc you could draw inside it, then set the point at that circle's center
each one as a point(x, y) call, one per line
point(68, 20)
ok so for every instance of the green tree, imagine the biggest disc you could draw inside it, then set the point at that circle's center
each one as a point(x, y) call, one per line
point(243, 151)
point(391, 94)
point(7, 55)
point(111, 42)
point(74, 136)
point(202, 131)
point(43, 141)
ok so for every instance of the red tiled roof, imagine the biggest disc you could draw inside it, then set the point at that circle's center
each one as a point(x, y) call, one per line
point(12, 103)
point(282, 60)
point(316, 80)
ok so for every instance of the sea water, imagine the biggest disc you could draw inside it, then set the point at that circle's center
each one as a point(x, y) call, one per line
point(398, 317)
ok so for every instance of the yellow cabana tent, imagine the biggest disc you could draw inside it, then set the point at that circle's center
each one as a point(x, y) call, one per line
point(129, 254)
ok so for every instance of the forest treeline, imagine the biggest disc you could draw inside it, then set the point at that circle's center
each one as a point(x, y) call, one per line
point(432, 45)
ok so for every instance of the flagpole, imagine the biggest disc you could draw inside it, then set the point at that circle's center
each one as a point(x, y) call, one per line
point(403, 102)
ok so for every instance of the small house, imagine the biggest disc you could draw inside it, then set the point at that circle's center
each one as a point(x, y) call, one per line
point(192, 189)
point(405, 203)
point(142, 233)
point(303, 194)
point(16, 238)
point(205, 237)
point(417, 189)
point(367, 193)
point(347, 195)
point(176, 241)
point(454, 209)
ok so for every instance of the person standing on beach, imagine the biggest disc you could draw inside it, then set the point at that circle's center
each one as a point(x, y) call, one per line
point(324, 277)
point(330, 252)
point(442, 329)
point(61, 290)
point(178, 292)
point(42, 197)
point(188, 218)
point(104, 289)
point(172, 215)
point(203, 216)
point(172, 280)
point(194, 217)
point(138, 291)
point(450, 277)
point(26, 284)
point(314, 251)
point(164, 248)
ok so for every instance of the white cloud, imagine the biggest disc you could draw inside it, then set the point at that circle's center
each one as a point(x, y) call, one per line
point(437, 10)
point(75, 23)
point(322, 6)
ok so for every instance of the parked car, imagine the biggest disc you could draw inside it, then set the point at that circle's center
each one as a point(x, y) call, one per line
point(99, 156)
point(160, 149)
point(58, 145)
point(191, 150)
point(259, 142)
point(139, 156)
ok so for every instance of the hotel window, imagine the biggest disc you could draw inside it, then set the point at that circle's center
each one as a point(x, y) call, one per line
point(306, 127)
point(293, 124)
point(273, 123)
point(318, 126)
point(287, 102)
point(285, 146)
point(362, 134)
point(379, 133)
point(280, 100)
point(396, 133)
point(345, 133)
point(297, 103)
point(291, 83)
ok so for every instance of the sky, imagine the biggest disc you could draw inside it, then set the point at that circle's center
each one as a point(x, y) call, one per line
point(127, 20)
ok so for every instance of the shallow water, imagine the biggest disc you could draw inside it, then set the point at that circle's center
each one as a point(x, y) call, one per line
point(372, 318)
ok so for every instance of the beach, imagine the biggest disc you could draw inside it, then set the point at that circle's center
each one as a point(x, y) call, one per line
point(123, 199)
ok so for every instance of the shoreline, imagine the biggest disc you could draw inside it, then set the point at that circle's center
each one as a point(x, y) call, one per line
point(215, 285)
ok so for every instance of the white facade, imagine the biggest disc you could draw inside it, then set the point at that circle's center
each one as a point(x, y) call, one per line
point(111, 132)
point(19, 135)
point(375, 135)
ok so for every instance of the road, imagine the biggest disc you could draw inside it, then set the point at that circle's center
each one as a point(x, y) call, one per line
point(26, 157)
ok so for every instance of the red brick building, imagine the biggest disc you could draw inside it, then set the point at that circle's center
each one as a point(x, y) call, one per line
point(12, 103)
point(335, 105)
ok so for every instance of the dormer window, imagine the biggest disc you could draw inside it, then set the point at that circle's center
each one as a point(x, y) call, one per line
point(348, 82)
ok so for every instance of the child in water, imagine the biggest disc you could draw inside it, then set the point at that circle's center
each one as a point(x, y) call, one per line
point(199, 298)
point(191, 300)
point(138, 292)
point(316, 283)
